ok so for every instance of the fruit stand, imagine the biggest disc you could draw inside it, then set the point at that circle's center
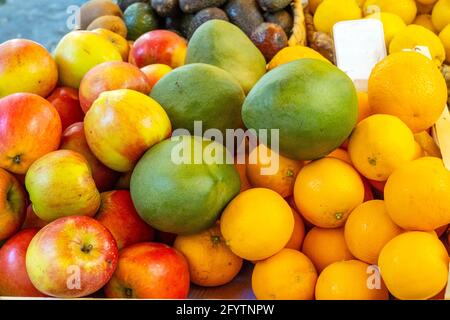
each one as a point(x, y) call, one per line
point(228, 149)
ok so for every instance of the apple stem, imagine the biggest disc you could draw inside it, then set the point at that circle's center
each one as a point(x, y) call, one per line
point(87, 248)
point(16, 159)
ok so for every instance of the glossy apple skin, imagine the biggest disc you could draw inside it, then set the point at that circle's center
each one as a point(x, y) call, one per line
point(32, 220)
point(60, 184)
point(150, 271)
point(66, 102)
point(159, 46)
point(30, 127)
point(14, 280)
point(122, 124)
point(67, 248)
point(154, 72)
point(13, 204)
point(26, 66)
point(80, 51)
point(110, 76)
point(118, 215)
point(74, 139)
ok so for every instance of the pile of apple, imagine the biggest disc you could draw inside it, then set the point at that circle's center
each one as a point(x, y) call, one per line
point(65, 211)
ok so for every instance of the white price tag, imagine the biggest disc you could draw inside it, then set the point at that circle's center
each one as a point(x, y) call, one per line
point(359, 47)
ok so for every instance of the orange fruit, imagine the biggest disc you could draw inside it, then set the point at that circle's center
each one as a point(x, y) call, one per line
point(298, 234)
point(326, 191)
point(380, 144)
point(368, 229)
point(349, 280)
point(363, 106)
point(417, 195)
point(325, 246)
point(288, 275)
point(267, 169)
point(211, 262)
point(408, 85)
point(293, 53)
point(414, 265)
point(340, 154)
point(257, 224)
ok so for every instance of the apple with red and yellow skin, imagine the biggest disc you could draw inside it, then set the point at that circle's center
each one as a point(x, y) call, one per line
point(32, 220)
point(26, 66)
point(122, 124)
point(155, 72)
point(60, 184)
point(30, 127)
point(14, 280)
point(74, 139)
point(110, 76)
point(117, 40)
point(71, 257)
point(118, 215)
point(159, 46)
point(80, 51)
point(66, 102)
point(150, 271)
point(13, 204)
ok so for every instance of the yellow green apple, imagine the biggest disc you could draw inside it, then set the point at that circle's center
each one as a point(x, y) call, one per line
point(80, 51)
point(122, 124)
point(61, 184)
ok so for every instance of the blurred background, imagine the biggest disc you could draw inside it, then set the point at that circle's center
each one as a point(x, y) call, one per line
point(43, 21)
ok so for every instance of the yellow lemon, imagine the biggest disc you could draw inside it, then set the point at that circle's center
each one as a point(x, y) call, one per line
point(445, 39)
point(392, 24)
point(290, 54)
point(424, 20)
point(405, 9)
point(330, 12)
point(441, 14)
point(413, 36)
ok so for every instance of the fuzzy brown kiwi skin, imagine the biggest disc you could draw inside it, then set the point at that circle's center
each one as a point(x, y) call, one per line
point(245, 14)
point(95, 9)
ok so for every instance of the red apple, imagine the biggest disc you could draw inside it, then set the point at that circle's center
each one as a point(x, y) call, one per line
point(26, 66)
point(159, 46)
point(150, 271)
point(117, 213)
point(66, 102)
point(110, 76)
point(154, 72)
point(60, 184)
point(71, 257)
point(74, 139)
point(32, 220)
point(14, 280)
point(30, 127)
point(13, 204)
